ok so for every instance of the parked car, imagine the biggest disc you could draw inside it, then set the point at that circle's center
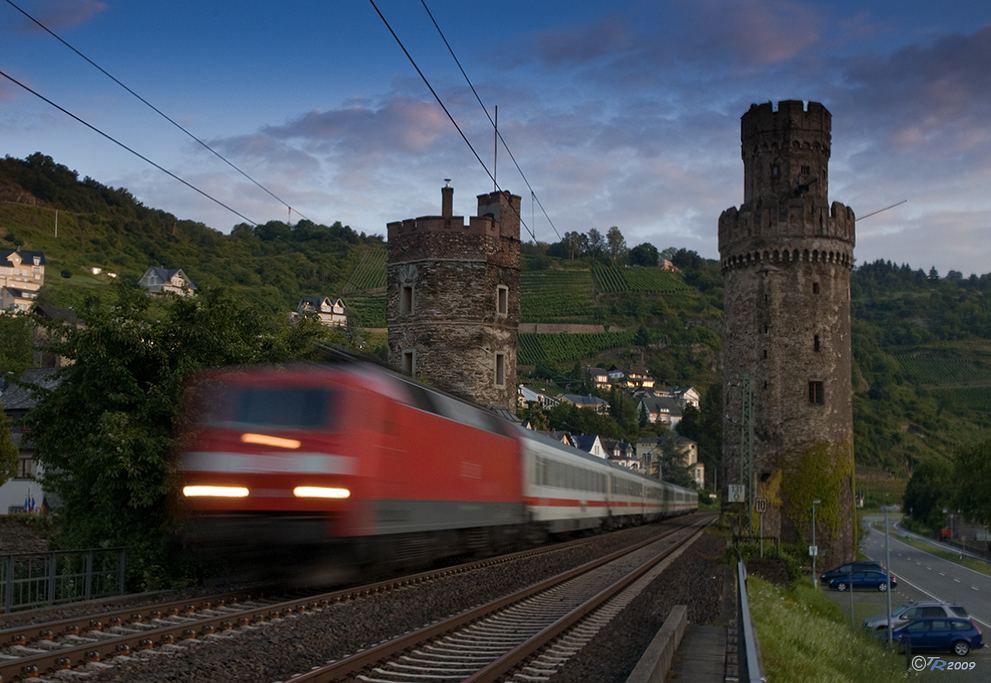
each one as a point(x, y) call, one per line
point(863, 579)
point(848, 568)
point(958, 636)
point(915, 610)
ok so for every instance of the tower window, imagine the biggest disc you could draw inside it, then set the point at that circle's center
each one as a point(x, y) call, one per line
point(409, 362)
point(815, 343)
point(765, 354)
point(500, 369)
point(816, 394)
point(774, 171)
point(815, 287)
point(502, 300)
point(406, 300)
point(806, 170)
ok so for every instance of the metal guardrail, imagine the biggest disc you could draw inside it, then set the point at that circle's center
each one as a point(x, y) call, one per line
point(45, 579)
point(747, 660)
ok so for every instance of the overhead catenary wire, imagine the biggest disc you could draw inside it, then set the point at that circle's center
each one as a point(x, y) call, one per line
point(158, 111)
point(533, 195)
point(440, 102)
point(129, 149)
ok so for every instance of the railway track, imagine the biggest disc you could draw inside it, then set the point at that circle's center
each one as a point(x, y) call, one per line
point(505, 638)
point(41, 651)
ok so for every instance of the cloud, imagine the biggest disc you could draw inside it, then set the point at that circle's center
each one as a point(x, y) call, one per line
point(60, 14)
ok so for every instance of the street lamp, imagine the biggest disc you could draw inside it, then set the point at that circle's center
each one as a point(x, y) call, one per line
point(814, 550)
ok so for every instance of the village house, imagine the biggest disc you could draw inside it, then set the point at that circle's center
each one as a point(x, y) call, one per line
point(590, 402)
point(526, 396)
point(22, 273)
point(331, 312)
point(665, 411)
point(23, 492)
point(158, 280)
point(590, 443)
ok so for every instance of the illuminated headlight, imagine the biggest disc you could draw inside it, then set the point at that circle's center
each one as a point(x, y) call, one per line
point(320, 492)
point(218, 491)
point(268, 440)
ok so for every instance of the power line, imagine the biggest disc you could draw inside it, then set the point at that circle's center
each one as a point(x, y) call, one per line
point(121, 144)
point(156, 110)
point(442, 106)
point(533, 194)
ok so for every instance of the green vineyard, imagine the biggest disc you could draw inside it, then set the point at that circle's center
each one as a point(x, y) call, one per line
point(369, 308)
point(553, 294)
point(965, 398)
point(369, 273)
point(938, 369)
point(568, 348)
point(611, 280)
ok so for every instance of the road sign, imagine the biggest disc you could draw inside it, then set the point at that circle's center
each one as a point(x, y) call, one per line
point(760, 505)
point(813, 550)
point(737, 493)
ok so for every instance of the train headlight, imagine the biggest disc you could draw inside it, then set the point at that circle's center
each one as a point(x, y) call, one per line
point(218, 491)
point(320, 492)
point(268, 440)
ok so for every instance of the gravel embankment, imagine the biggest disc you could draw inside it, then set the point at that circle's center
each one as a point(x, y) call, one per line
point(279, 650)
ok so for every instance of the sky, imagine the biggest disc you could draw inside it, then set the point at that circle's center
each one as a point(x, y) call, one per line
point(622, 113)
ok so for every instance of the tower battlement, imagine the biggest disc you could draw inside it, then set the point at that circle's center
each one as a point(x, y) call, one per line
point(453, 298)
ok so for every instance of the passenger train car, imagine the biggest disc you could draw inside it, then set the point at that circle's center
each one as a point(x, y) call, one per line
point(367, 467)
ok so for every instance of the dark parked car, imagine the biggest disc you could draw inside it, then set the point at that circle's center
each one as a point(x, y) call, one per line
point(915, 610)
point(875, 579)
point(958, 636)
point(848, 568)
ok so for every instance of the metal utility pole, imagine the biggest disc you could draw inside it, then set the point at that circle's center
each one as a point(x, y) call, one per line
point(747, 446)
point(814, 550)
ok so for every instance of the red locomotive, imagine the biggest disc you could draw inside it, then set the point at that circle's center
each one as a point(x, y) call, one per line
point(359, 465)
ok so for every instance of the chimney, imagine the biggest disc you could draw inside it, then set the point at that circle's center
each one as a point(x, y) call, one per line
point(447, 199)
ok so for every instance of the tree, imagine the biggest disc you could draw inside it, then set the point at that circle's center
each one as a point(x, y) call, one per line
point(105, 433)
point(617, 244)
point(9, 453)
point(596, 244)
point(929, 491)
point(575, 244)
point(644, 255)
point(16, 343)
point(971, 474)
point(674, 466)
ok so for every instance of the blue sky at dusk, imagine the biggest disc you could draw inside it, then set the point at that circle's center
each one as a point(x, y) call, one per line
point(623, 113)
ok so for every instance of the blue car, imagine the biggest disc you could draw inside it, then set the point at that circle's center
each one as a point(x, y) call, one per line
point(872, 578)
point(958, 636)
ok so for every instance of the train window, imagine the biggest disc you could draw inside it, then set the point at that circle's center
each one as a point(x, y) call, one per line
point(421, 398)
point(289, 407)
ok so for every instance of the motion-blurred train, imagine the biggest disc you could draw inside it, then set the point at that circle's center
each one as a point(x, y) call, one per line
point(365, 466)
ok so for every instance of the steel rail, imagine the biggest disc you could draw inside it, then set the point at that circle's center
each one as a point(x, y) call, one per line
point(353, 664)
point(149, 627)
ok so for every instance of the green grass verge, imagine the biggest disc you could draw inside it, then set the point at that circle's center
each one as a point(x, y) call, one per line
point(805, 638)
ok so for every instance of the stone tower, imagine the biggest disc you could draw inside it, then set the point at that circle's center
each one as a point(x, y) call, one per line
point(453, 306)
point(786, 256)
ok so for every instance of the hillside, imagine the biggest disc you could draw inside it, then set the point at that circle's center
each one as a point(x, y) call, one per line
point(922, 343)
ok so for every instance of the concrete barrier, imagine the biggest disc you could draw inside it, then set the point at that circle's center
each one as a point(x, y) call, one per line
point(656, 660)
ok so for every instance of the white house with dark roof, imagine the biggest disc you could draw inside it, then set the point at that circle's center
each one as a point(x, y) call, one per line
point(328, 311)
point(158, 280)
point(663, 410)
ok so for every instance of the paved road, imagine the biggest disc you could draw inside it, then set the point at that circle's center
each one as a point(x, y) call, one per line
point(923, 576)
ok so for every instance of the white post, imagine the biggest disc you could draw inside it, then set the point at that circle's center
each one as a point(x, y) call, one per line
point(815, 548)
point(887, 571)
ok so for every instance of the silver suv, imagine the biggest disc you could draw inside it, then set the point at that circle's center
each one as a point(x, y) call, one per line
point(915, 610)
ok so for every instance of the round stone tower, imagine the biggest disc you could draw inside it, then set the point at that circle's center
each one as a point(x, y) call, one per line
point(453, 298)
point(786, 256)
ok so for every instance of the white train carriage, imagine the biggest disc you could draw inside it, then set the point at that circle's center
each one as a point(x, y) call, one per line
point(564, 489)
